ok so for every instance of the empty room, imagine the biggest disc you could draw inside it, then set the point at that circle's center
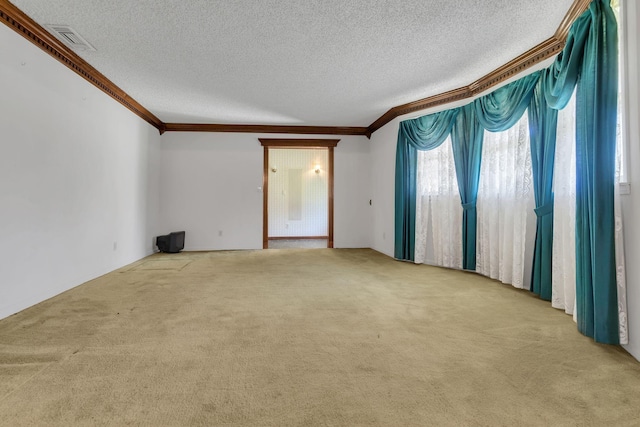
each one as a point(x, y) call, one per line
point(341, 213)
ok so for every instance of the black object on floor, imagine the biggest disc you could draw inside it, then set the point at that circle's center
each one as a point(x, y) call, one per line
point(171, 243)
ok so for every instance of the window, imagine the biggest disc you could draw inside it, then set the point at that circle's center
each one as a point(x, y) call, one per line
point(506, 222)
point(438, 209)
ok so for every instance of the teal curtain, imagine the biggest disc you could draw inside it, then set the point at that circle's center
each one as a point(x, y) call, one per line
point(543, 122)
point(553, 92)
point(590, 62)
point(596, 113)
point(560, 78)
point(502, 108)
point(466, 136)
point(423, 133)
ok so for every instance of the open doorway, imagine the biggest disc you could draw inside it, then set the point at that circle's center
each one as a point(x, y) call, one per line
point(298, 193)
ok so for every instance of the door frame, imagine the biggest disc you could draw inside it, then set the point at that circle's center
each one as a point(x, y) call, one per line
point(279, 143)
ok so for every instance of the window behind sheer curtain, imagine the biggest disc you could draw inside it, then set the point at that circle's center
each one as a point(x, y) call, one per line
point(438, 209)
point(506, 221)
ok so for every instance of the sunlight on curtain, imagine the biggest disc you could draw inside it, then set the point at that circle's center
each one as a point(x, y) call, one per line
point(621, 174)
point(505, 206)
point(438, 209)
point(621, 276)
point(563, 293)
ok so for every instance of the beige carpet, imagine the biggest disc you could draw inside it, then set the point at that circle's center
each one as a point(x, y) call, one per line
point(313, 337)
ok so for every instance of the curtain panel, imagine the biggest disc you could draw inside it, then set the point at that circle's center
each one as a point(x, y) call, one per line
point(596, 115)
point(423, 133)
point(543, 123)
point(563, 276)
point(466, 138)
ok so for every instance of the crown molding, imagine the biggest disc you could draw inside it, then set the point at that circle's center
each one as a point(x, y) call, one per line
point(18, 21)
point(296, 130)
point(544, 50)
point(539, 53)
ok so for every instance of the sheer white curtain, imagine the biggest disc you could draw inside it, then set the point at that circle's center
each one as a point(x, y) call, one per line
point(621, 275)
point(438, 209)
point(506, 221)
point(563, 270)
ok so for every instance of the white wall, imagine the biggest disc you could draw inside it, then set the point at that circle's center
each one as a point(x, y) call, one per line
point(631, 202)
point(78, 187)
point(352, 192)
point(383, 162)
point(211, 188)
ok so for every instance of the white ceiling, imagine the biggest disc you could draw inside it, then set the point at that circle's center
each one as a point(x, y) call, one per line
point(296, 62)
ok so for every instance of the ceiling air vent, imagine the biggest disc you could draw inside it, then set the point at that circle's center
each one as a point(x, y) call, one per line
point(70, 37)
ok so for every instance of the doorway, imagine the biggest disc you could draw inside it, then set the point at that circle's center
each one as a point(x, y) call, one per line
point(298, 193)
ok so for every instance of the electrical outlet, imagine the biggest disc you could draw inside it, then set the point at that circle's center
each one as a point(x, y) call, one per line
point(384, 235)
point(219, 233)
point(115, 246)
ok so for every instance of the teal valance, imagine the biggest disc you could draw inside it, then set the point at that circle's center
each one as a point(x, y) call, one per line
point(502, 108)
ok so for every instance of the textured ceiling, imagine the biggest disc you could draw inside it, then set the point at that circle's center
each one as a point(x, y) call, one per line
point(296, 62)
